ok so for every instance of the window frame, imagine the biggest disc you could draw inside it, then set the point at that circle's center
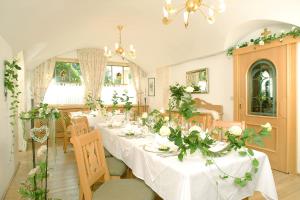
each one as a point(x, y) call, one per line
point(118, 64)
point(66, 60)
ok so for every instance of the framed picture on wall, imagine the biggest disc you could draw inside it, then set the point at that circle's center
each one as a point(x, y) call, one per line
point(151, 86)
point(199, 80)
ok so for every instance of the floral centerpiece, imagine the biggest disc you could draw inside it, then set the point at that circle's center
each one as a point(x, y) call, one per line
point(115, 101)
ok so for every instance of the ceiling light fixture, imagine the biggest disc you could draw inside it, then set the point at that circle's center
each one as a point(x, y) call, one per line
point(119, 50)
point(190, 7)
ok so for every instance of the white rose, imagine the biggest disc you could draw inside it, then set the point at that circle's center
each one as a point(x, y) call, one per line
point(235, 130)
point(41, 151)
point(166, 118)
point(261, 43)
point(189, 89)
point(40, 110)
point(195, 128)
point(267, 126)
point(48, 111)
point(144, 115)
point(162, 110)
point(34, 171)
point(164, 131)
point(26, 115)
point(202, 135)
point(237, 47)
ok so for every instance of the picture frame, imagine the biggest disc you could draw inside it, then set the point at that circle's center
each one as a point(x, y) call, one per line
point(199, 80)
point(151, 86)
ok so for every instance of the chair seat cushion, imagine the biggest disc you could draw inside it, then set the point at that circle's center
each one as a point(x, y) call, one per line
point(115, 167)
point(124, 189)
point(107, 154)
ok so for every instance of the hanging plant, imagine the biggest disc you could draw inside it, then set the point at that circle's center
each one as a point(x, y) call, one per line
point(294, 32)
point(11, 88)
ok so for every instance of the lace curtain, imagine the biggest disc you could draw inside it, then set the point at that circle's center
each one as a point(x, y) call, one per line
point(41, 78)
point(92, 64)
point(139, 79)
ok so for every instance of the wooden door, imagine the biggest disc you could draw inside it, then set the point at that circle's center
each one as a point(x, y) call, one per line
point(261, 99)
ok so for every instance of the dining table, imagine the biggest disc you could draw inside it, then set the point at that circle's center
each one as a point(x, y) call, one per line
point(189, 179)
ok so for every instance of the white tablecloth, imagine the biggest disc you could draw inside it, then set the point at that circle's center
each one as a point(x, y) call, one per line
point(190, 179)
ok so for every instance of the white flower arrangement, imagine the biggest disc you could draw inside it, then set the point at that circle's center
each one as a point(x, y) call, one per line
point(267, 126)
point(41, 151)
point(189, 89)
point(164, 131)
point(235, 130)
point(33, 171)
point(144, 115)
point(261, 43)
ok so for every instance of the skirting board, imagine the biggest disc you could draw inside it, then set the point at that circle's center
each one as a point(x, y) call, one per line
point(11, 180)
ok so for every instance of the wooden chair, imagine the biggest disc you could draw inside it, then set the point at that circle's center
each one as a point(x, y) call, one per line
point(92, 168)
point(82, 119)
point(222, 126)
point(116, 167)
point(204, 119)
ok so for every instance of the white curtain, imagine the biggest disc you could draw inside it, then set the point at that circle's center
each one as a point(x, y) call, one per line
point(41, 78)
point(139, 79)
point(92, 64)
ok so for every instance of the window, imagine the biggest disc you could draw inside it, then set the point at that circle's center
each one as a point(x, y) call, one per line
point(66, 86)
point(117, 78)
point(262, 89)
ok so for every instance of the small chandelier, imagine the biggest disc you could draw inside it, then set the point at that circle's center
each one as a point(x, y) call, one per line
point(119, 50)
point(190, 7)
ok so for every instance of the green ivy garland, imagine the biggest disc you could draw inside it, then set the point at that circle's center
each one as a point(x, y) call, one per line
point(193, 142)
point(294, 32)
point(11, 87)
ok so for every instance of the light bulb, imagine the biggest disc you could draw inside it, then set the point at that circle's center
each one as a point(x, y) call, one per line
point(131, 47)
point(105, 49)
point(211, 12)
point(221, 7)
point(168, 2)
point(117, 45)
point(186, 18)
point(165, 12)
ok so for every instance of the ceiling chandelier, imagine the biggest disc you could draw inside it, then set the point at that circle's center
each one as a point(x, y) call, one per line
point(190, 7)
point(119, 50)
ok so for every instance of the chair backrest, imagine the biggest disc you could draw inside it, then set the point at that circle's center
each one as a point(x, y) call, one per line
point(79, 128)
point(228, 124)
point(90, 158)
point(204, 119)
point(76, 120)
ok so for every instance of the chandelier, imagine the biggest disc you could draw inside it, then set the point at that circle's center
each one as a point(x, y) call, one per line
point(190, 7)
point(119, 50)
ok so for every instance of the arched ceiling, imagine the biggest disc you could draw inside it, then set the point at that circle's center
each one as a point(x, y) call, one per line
point(46, 28)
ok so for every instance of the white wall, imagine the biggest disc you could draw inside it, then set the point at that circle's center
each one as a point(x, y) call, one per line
point(220, 73)
point(7, 163)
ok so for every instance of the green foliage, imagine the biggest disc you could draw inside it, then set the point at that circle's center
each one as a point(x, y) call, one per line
point(11, 87)
point(93, 103)
point(115, 101)
point(126, 100)
point(42, 111)
point(70, 70)
point(294, 32)
point(182, 101)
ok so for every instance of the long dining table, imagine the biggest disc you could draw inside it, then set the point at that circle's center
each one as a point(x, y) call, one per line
point(192, 178)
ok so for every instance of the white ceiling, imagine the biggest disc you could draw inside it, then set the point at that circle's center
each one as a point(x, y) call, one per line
point(46, 28)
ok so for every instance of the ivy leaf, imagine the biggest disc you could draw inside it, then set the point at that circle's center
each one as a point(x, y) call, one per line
point(242, 153)
point(255, 163)
point(224, 177)
point(250, 151)
point(248, 176)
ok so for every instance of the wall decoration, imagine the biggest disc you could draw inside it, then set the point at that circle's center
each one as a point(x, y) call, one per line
point(151, 86)
point(198, 79)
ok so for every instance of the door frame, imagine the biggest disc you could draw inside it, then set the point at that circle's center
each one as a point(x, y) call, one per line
point(291, 44)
